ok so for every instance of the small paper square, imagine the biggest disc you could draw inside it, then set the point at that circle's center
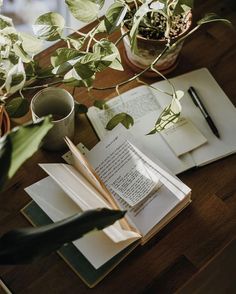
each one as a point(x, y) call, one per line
point(183, 137)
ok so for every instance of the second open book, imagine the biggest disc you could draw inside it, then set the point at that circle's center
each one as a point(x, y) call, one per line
point(116, 173)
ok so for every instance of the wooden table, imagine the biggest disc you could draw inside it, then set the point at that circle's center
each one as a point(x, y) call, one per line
point(185, 245)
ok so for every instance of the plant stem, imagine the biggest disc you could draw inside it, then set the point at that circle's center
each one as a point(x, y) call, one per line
point(42, 86)
point(121, 37)
point(135, 76)
point(75, 31)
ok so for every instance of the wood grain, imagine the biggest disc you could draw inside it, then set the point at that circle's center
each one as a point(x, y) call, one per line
point(195, 236)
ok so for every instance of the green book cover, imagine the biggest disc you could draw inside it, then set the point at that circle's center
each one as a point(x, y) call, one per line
point(72, 256)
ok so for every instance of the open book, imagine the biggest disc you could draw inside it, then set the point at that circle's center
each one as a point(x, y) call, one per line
point(145, 104)
point(116, 173)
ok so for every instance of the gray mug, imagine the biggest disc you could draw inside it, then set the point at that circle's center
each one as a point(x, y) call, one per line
point(60, 104)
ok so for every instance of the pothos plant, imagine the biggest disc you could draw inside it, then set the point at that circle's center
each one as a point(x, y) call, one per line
point(84, 55)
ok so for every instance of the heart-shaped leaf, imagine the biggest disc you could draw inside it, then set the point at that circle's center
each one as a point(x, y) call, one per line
point(80, 108)
point(125, 119)
point(101, 104)
point(49, 26)
point(85, 10)
point(17, 107)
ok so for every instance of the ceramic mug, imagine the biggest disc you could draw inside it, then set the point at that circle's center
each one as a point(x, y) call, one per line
point(60, 104)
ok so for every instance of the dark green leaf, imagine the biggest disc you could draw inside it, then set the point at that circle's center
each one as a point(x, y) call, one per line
point(101, 104)
point(152, 132)
point(17, 107)
point(28, 244)
point(84, 71)
point(124, 118)
point(80, 108)
point(5, 159)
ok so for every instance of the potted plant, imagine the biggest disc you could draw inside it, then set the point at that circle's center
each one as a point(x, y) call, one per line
point(84, 55)
point(152, 26)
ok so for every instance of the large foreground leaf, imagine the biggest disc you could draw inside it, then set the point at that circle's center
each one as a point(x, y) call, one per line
point(23, 142)
point(26, 245)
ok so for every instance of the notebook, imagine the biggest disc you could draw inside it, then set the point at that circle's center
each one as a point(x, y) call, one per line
point(145, 104)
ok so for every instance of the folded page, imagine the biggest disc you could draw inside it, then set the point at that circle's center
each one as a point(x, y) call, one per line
point(84, 195)
point(95, 246)
point(160, 202)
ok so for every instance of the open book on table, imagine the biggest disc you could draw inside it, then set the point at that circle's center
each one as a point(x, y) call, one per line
point(145, 104)
point(116, 173)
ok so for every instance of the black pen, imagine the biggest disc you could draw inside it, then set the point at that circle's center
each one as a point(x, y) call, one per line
point(197, 101)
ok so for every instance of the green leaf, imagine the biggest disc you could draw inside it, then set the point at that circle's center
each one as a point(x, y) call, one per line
point(5, 158)
point(77, 43)
point(17, 107)
point(25, 141)
point(85, 10)
point(64, 59)
point(109, 55)
point(125, 119)
point(31, 44)
point(15, 78)
point(143, 10)
point(211, 17)
point(80, 72)
point(80, 108)
point(49, 26)
point(183, 6)
point(5, 22)
point(114, 16)
point(101, 104)
point(62, 55)
point(20, 52)
point(168, 117)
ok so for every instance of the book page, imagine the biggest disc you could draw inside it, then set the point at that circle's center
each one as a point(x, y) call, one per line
point(96, 246)
point(144, 107)
point(84, 195)
point(127, 174)
point(148, 212)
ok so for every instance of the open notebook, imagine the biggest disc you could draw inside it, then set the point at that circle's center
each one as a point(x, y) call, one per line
point(116, 173)
point(144, 104)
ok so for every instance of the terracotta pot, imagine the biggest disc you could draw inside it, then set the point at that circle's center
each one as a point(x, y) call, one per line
point(5, 125)
point(149, 49)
